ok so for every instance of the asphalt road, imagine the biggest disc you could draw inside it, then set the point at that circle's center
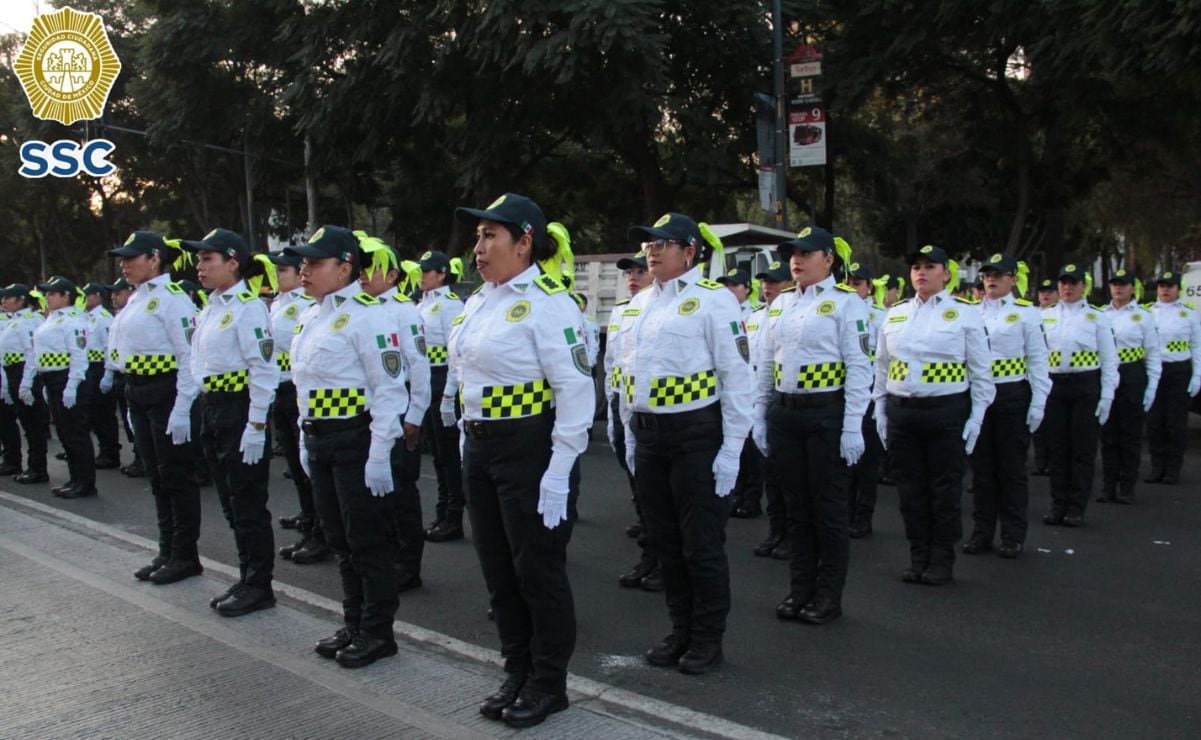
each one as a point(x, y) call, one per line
point(1092, 633)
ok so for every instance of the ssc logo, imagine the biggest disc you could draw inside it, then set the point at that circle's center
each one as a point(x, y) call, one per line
point(995, 259)
point(1069, 268)
point(317, 235)
point(689, 306)
point(226, 319)
point(1136, 318)
point(1011, 318)
point(341, 322)
point(774, 266)
point(152, 306)
point(291, 311)
point(518, 311)
point(67, 66)
point(1090, 316)
point(950, 314)
point(825, 308)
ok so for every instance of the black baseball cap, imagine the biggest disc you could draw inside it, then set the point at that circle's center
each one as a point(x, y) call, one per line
point(735, 277)
point(328, 242)
point(224, 242)
point(811, 239)
point(139, 243)
point(279, 259)
point(638, 260)
point(672, 227)
point(434, 260)
point(121, 284)
point(776, 272)
point(1048, 285)
point(515, 210)
point(15, 290)
point(1122, 277)
point(1000, 263)
point(860, 271)
point(1073, 272)
point(929, 252)
point(95, 289)
point(1168, 278)
point(57, 284)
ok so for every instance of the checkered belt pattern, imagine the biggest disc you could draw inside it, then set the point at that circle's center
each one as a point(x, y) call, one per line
point(13, 358)
point(615, 378)
point(1054, 358)
point(1131, 354)
point(516, 401)
point(112, 355)
point(337, 403)
point(54, 359)
point(628, 380)
point(284, 361)
point(944, 372)
point(822, 375)
point(1178, 345)
point(1009, 367)
point(230, 382)
point(672, 391)
point(437, 354)
point(150, 364)
point(1085, 358)
point(95, 355)
point(898, 370)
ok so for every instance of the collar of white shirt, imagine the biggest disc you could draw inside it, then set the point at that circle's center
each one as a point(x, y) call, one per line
point(154, 282)
point(1128, 307)
point(436, 292)
point(674, 286)
point(229, 295)
point(331, 302)
point(934, 300)
point(518, 284)
point(817, 288)
point(1079, 305)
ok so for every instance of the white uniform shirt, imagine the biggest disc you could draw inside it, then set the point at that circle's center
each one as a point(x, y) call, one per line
point(817, 344)
point(344, 363)
point(439, 308)
point(934, 347)
point(99, 323)
point(1018, 345)
point(1179, 333)
point(518, 350)
point(285, 317)
point(755, 323)
point(158, 322)
point(411, 339)
point(233, 335)
point(59, 343)
point(612, 351)
point(1080, 339)
point(687, 349)
point(1137, 338)
point(16, 336)
point(591, 339)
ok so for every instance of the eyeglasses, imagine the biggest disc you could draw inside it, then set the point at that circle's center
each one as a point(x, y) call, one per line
point(658, 245)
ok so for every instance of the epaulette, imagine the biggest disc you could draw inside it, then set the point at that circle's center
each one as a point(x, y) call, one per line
point(845, 288)
point(478, 288)
point(366, 300)
point(710, 284)
point(451, 294)
point(307, 297)
point(1023, 302)
point(760, 308)
point(246, 296)
point(1096, 307)
point(104, 312)
point(401, 298)
point(1148, 305)
point(967, 301)
point(879, 306)
point(175, 288)
point(901, 302)
point(1190, 305)
point(789, 290)
point(622, 302)
point(549, 285)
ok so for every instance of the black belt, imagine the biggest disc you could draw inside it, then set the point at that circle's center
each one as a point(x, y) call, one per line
point(318, 427)
point(677, 420)
point(809, 400)
point(134, 379)
point(926, 402)
point(493, 428)
point(1178, 366)
point(1086, 376)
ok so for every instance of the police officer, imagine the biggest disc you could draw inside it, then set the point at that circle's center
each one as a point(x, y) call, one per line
point(1139, 367)
point(103, 410)
point(865, 474)
point(352, 399)
point(1167, 422)
point(59, 357)
point(1000, 489)
point(10, 434)
point(518, 353)
point(153, 343)
point(645, 574)
point(1048, 296)
point(933, 385)
point(381, 271)
point(1084, 375)
point(234, 359)
point(687, 392)
point(113, 380)
point(814, 370)
point(439, 307)
point(750, 464)
point(16, 344)
point(290, 303)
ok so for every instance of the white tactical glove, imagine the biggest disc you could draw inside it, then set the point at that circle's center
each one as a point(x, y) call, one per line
point(609, 427)
point(106, 382)
point(552, 499)
point(1034, 419)
point(971, 433)
point(446, 410)
point(179, 426)
point(630, 446)
point(851, 447)
point(725, 471)
point(304, 460)
point(378, 476)
point(1149, 399)
point(882, 427)
point(253, 443)
point(69, 396)
point(25, 393)
point(759, 436)
point(1103, 410)
point(1194, 386)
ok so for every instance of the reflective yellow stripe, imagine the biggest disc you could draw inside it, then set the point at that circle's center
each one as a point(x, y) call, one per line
point(437, 354)
point(95, 355)
point(1131, 354)
point(672, 391)
point(54, 359)
point(1085, 358)
point(898, 370)
point(332, 403)
point(1178, 345)
point(150, 364)
point(13, 358)
point(516, 401)
point(284, 361)
point(1009, 367)
point(230, 382)
point(944, 372)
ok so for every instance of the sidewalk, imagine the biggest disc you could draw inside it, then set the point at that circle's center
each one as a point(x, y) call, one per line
point(91, 652)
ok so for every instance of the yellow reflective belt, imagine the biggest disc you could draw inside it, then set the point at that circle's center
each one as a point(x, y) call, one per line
point(150, 364)
point(944, 372)
point(671, 391)
point(516, 401)
point(54, 359)
point(1131, 354)
point(95, 355)
point(230, 382)
point(284, 361)
point(334, 403)
point(1178, 345)
point(13, 358)
point(1009, 367)
point(1085, 358)
point(898, 370)
point(437, 354)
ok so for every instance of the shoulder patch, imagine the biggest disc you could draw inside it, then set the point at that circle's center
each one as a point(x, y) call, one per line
point(710, 284)
point(549, 285)
point(1023, 302)
point(845, 288)
point(622, 302)
point(1190, 305)
point(246, 296)
point(104, 312)
point(366, 300)
point(759, 308)
point(401, 298)
point(968, 301)
point(1148, 305)
point(452, 295)
point(174, 288)
point(789, 290)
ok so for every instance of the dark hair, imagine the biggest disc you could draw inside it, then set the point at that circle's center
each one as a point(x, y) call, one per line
point(167, 255)
point(537, 252)
point(355, 268)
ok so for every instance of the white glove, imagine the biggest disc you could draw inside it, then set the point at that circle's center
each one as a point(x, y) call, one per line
point(882, 427)
point(69, 395)
point(253, 443)
point(1149, 399)
point(106, 382)
point(378, 476)
point(851, 447)
point(552, 499)
point(1034, 418)
point(25, 393)
point(179, 426)
point(304, 460)
point(446, 410)
point(971, 433)
point(630, 447)
point(1194, 385)
point(1103, 410)
point(725, 471)
point(759, 436)
point(8, 397)
point(609, 431)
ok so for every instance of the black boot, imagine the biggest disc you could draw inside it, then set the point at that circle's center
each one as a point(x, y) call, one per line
point(450, 528)
point(492, 705)
point(765, 548)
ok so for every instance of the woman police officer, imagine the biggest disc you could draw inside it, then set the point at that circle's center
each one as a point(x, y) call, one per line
point(16, 344)
point(153, 344)
point(933, 385)
point(517, 356)
point(814, 384)
point(686, 400)
point(343, 365)
point(1167, 421)
point(234, 359)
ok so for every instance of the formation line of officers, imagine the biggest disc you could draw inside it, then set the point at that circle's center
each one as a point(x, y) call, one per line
point(712, 396)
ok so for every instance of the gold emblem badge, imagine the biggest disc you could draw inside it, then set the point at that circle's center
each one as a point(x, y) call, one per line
point(689, 306)
point(67, 66)
point(152, 306)
point(950, 314)
point(1069, 268)
point(317, 235)
point(825, 308)
point(995, 259)
point(1011, 318)
point(774, 266)
point(341, 322)
point(518, 311)
point(804, 233)
point(226, 319)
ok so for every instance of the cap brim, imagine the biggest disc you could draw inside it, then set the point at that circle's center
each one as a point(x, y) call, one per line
point(427, 265)
point(306, 251)
point(283, 259)
point(915, 256)
point(647, 233)
point(475, 215)
point(126, 252)
point(626, 263)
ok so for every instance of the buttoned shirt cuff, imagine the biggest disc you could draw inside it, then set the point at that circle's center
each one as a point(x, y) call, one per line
point(852, 423)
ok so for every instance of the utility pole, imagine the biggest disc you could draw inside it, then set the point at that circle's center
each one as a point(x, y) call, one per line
point(248, 166)
point(779, 171)
point(310, 186)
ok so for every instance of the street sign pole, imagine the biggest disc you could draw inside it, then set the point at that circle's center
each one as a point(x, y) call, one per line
point(779, 167)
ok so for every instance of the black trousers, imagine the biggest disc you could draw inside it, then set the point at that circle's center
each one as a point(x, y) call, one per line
point(865, 475)
point(102, 412)
point(358, 526)
point(171, 468)
point(73, 427)
point(1072, 431)
point(241, 488)
point(10, 431)
point(748, 489)
point(1000, 489)
point(1122, 435)
point(524, 563)
point(804, 440)
point(444, 444)
point(685, 519)
point(285, 413)
point(619, 443)
point(123, 410)
point(925, 437)
point(1167, 421)
point(409, 532)
point(34, 419)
